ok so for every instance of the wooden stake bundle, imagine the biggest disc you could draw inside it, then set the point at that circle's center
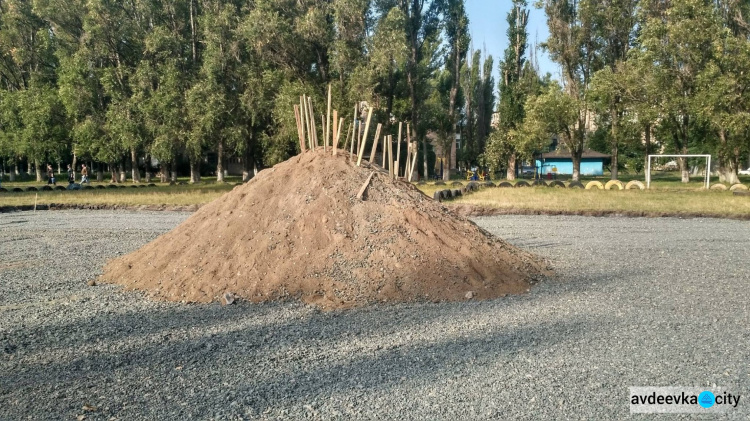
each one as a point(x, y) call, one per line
point(398, 149)
point(308, 125)
point(328, 120)
point(375, 143)
point(364, 138)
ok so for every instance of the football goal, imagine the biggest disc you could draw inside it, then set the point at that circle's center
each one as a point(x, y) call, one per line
point(708, 166)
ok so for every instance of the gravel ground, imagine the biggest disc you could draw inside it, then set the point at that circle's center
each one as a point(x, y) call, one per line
point(637, 302)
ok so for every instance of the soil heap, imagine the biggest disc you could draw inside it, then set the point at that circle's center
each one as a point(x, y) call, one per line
point(298, 230)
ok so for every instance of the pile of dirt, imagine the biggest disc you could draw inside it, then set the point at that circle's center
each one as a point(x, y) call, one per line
point(298, 230)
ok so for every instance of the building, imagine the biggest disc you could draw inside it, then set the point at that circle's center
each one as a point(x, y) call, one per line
point(560, 162)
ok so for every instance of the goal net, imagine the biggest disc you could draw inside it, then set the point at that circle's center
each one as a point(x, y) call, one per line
point(658, 161)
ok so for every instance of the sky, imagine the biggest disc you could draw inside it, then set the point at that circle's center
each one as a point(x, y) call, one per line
point(488, 25)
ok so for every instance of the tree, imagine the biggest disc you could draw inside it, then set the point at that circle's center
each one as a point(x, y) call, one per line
point(456, 33)
point(614, 26)
point(553, 112)
point(573, 45)
point(676, 44)
point(512, 95)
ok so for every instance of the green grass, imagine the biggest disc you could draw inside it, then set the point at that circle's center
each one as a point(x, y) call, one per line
point(179, 195)
point(667, 197)
point(577, 201)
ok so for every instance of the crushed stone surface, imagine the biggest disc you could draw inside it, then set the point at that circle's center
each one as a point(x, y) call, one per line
point(635, 302)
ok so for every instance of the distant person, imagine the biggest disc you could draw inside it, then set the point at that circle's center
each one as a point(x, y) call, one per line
point(71, 175)
point(84, 174)
point(50, 175)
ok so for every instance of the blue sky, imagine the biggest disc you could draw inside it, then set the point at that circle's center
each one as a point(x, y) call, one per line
point(488, 26)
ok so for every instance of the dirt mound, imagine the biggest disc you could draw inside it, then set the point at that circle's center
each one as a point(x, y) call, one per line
point(298, 230)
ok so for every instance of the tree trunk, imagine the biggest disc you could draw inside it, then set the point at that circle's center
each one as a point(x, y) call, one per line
point(121, 170)
point(246, 165)
point(728, 162)
point(28, 166)
point(615, 143)
point(576, 158)
point(14, 170)
point(163, 172)
point(38, 171)
point(136, 173)
point(511, 172)
point(173, 172)
point(220, 161)
point(147, 168)
point(114, 173)
point(195, 175)
point(684, 170)
point(647, 139)
point(614, 163)
point(99, 173)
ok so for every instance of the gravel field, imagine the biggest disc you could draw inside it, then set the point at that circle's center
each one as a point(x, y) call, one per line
point(637, 302)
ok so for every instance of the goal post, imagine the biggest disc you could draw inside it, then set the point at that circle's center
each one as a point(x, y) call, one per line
point(708, 166)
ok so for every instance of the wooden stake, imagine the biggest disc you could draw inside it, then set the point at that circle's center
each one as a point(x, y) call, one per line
point(375, 143)
point(335, 133)
point(384, 139)
point(303, 116)
point(337, 140)
point(359, 135)
point(364, 138)
point(312, 121)
point(300, 129)
point(408, 157)
point(415, 152)
point(328, 119)
point(390, 155)
point(310, 137)
point(322, 127)
point(351, 144)
point(395, 170)
point(398, 149)
point(362, 190)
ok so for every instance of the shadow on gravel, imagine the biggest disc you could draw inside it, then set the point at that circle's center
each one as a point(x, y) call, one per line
point(258, 356)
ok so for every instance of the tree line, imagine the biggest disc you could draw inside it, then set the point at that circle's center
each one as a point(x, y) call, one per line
point(122, 83)
point(197, 83)
point(637, 77)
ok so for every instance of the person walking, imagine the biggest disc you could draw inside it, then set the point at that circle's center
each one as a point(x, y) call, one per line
point(84, 174)
point(71, 175)
point(50, 175)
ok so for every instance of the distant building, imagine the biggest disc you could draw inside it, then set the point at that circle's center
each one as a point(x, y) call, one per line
point(495, 122)
point(560, 162)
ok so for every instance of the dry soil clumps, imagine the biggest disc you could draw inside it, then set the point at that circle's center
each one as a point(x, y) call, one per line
point(298, 230)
